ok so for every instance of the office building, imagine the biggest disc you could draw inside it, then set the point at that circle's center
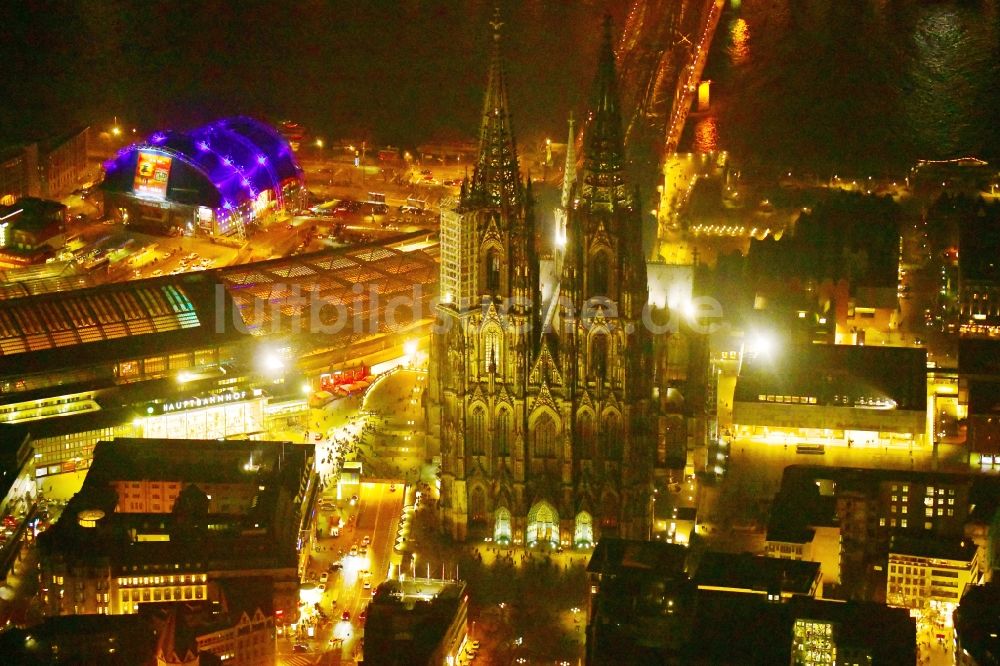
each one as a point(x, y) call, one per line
point(30, 231)
point(753, 574)
point(164, 520)
point(977, 627)
point(833, 394)
point(930, 574)
point(238, 629)
point(416, 621)
point(644, 610)
point(81, 639)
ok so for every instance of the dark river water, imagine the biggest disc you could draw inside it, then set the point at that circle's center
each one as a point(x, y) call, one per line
point(861, 85)
point(401, 71)
point(817, 84)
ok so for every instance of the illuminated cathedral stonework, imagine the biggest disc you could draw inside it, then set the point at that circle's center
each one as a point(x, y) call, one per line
point(547, 429)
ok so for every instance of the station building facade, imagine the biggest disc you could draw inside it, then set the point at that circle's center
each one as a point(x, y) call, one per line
point(223, 179)
point(209, 355)
point(160, 358)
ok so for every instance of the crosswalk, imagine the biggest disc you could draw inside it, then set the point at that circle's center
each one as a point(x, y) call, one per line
point(299, 660)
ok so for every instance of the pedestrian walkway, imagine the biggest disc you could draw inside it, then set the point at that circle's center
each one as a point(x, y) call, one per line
point(489, 553)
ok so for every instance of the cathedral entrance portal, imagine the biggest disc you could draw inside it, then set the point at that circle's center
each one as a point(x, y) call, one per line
point(543, 525)
point(501, 527)
point(583, 533)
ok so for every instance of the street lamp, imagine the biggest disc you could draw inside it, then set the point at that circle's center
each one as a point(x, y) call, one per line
point(319, 143)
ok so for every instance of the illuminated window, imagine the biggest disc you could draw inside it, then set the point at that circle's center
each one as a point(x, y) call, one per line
point(544, 437)
point(612, 435)
point(477, 440)
point(599, 275)
point(180, 361)
point(599, 356)
point(492, 348)
point(503, 433)
point(155, 365)
point(128, 369)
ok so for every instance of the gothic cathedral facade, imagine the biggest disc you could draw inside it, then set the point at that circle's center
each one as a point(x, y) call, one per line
point(547, 423)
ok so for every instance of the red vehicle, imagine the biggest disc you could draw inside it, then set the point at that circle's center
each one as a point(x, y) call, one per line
point(346, 616)
point(330, 381)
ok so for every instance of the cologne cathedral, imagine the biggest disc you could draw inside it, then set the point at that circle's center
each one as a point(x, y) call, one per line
point(548, 423)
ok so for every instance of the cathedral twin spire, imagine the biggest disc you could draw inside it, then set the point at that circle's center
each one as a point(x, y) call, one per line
point(496, 180)
point(603, 143)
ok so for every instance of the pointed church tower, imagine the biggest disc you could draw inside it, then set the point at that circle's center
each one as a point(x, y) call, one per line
point(607, 350)
point(489, 309)
point(496, 180)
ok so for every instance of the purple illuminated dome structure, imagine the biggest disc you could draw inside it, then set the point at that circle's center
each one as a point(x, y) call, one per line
point(225, 178)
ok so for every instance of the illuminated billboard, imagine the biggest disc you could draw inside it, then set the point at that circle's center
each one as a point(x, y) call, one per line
point(151, 174)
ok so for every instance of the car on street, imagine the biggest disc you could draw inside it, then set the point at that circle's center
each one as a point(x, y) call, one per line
point(346, 616)
point(300, 647)
point(323, 577)
point(367, 540)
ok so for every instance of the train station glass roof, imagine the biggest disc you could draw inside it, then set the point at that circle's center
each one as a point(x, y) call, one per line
point(353, 283)
point(29, 324)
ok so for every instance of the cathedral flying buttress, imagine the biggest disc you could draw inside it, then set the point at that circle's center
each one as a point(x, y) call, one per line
point(546, 425)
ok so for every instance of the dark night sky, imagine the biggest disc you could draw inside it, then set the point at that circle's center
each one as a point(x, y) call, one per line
point(401, 71)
